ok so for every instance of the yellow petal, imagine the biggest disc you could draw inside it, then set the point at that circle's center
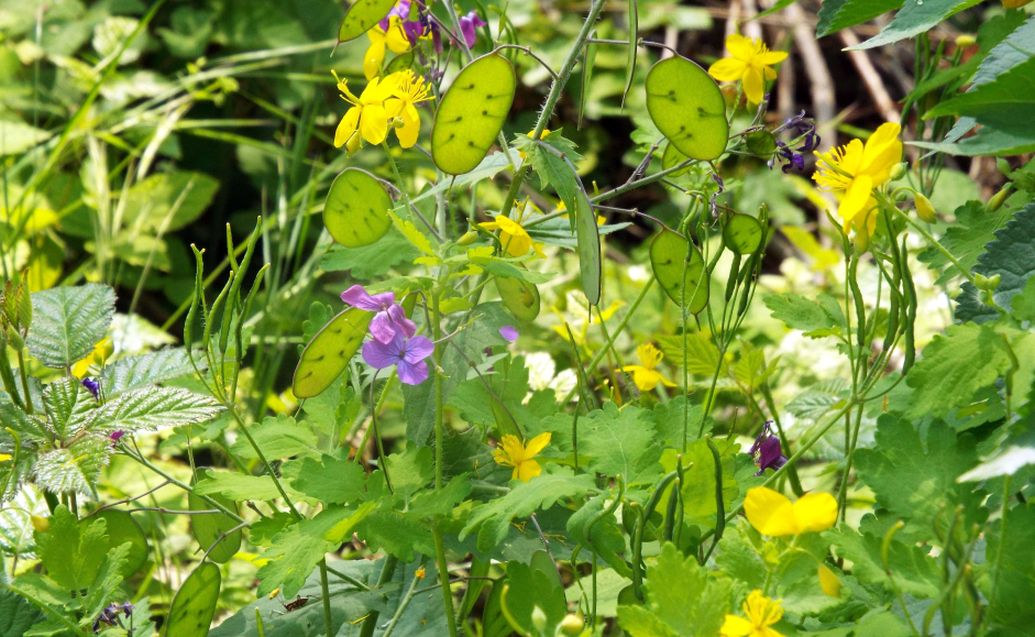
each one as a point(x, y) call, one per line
point(735, 626)
point(527, 470)
point(770, 58)
point(346, 127)
point(408, 132)
point(373, 123)
point(753, 85)
point(513, 450)
point(740, 47)
point(373, 59)
point(646, 379)
point(815, 512)
point(829, 581)
point(537, 444)
point(396, 37)
point(4, 457)
point(856, 200)
point(727, 70)
point(882, 151)
point(771, 513)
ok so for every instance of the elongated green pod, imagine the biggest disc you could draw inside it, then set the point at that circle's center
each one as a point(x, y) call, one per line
point(520, 297)
point(123, 528)
point(742, 234)
point(471, 113)
point(361, 16)
point(687, 107)
point(209, 527)
point(327, 355)
point(680, 270)
point(587, 235)
point(356, 210)
point(190, 614)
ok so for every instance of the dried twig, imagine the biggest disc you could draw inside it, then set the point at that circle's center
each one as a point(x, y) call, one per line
point(870, 77)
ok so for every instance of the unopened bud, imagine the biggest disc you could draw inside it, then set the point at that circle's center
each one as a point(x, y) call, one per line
point(998, 198)
point(467, 238)
point(898, 170)
point(987, 283)
point(965, 40)
point(572, 624)
point(42, 525)
point(539, 619)
point(924, 208)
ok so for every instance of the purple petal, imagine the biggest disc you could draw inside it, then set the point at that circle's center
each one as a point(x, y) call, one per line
point(467, 28)
point(417, 349)
point(509, 333)
point(769, 456)
point(413, 374)
point(382, 328)
point(382, 355)
point(398, 317)
point(357, 296)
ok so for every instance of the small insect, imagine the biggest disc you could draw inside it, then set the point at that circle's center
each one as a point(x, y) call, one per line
point(297, 603)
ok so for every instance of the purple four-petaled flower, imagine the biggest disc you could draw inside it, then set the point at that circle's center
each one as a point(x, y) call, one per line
point(389, 318)
point(407, 353)
point(767, 451)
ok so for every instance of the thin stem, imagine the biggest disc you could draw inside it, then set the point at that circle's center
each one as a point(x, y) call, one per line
point(325, 589)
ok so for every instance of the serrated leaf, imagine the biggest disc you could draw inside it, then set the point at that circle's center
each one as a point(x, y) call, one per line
point(326, 478)
point(1001, 103)
point(16, 614)
point(74, 468)
point(237, 486)
point(329, 353)
point(620, 443)
point(369, 262)
point(296, 550)
point(702, 354)
point(191, 611)
point(356, 210)
point(974, 228)
point(912, 572)
point(492, 519)
point(1010, 579)
point(146, 369)
point(589, 527)
point(279, 437)
point(835, 15)
point(687, 107)
point(471, 113)
point(942, 381)
point(916, 16)
point(155, 409)
point(123, 529)
point(68, 321)
point(69, 407)
point(415, 236)
point(361, 16)
point(1011, 256)
point(682, 599)
point(822, 317)
point(72, 552)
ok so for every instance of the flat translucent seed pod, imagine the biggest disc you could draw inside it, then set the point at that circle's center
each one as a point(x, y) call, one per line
point(680, 270)
point(356, 210)
point(327, 355)
point(361, 16)
point(687, 107)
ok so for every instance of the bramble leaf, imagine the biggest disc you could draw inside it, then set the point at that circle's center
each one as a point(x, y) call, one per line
point(146, 369)
point(835, 15)
point(155, 409)
point(1011, 257)
point(68, 321)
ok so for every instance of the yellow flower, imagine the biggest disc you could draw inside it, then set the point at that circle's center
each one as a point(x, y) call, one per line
point(854, 170)
point(645, 375)
point(367, 119)
point(511, 453)
point(750, 62)
point(5, 457)
point(101, 351)
point(829, 581)
point(396, 40)
point(513, 237)
point(409, 90)
point(773, 514)
point(761, 613)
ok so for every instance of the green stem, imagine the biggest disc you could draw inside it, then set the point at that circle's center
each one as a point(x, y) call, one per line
point(325, 589)
point(387, 570)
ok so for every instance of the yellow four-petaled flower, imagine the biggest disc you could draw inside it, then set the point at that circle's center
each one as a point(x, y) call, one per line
point(645, 375)
point(387, 103)
point(512, 453)
point(750, 62)
point(514, 239)
point(394, 38)
point(760, 613)
point(773, 514)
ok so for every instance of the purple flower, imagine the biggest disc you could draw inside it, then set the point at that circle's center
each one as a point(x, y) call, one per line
point(110, 615)
point(92, 386)
point(389, 320)
point(509, 333)
point(116, 436)
point(407, 353)
point(766, 450)
point(468, 25)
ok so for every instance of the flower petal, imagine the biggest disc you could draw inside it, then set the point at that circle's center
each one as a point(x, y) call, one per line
point(382, 328)
point(357, 296)
point(855, 200)
point(382, 355)
point(373, 123)
point(403, 324)
point(374, 57)
point(754, 85)
point(727, 70)
point(412, 373)
point(537, 444)
point(770, 512)
point(741, 47)
point(770, 58)
point(736, 626)
point(346, 127)
point(417, 349)
point(527, 470)
point(815, 512)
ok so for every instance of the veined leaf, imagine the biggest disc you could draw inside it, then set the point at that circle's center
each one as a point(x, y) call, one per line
point(72, 469)
point(356, 210)
point(327, 355)
point(687, 107)
point(1011, 257)
point(69, 407)
point(68, 321)
point(835, 15)
point(471, 113)
point(916, 16)
point(146, 369)
point(72, 552)
point(155, 409)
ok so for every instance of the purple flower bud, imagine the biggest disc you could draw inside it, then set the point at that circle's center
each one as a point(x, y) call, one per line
point(116, 436)
point(92, 386)
point(767, 451)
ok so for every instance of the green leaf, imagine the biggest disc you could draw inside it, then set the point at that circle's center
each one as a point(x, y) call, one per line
point(987, 141)
point(238, 486)
point(370, 262)
point(492, 519)
point(328, 479)
point(916, 18)
point(69, 407)
point(72, 552)
point(191, 611)
point(1001, 103)
point(68, 322)
point(942, 381)
point(17, 137)
point(1009, 580)
point(361, 16)
point(168, 201)
point(701, 353)
point(146, 369)
point(822, 317)
point(835, 15)
point(1011, 256)
point(590, 260)
point(72, 469)
point(122, 529)
point(356, 210)
point(296, 550)
point(620, 443)
point(108, 580)
point(680, 269)
point(687, 107)
point(279, 437)
point(914, 477)
point(590, 527)
point(975, 227)
point(471, 113)
point(531, 587)
point(1007, 53)
point(16, 614)
point(207, 528)
point(156, 409)
point(912, 571)
point(329, 353)
point(682, 599)
point(700, 506)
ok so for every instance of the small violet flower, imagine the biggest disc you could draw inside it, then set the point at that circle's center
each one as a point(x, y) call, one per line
point(803, 133)
point(468, 25)
point(390, 319)
point(92, 386)
point(116, 436)
point(406, 352)
point(766, 450)
point(509, 333)
point(110, 615)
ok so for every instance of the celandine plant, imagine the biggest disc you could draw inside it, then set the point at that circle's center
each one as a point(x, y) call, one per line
point(416, 481)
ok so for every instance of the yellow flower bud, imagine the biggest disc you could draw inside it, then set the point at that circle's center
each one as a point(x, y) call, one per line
point(924, 208)
point(539, 618)
point(572, 624)
point(898, 170)
point(965, 40)
point(998, 198)
point(467, 238)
